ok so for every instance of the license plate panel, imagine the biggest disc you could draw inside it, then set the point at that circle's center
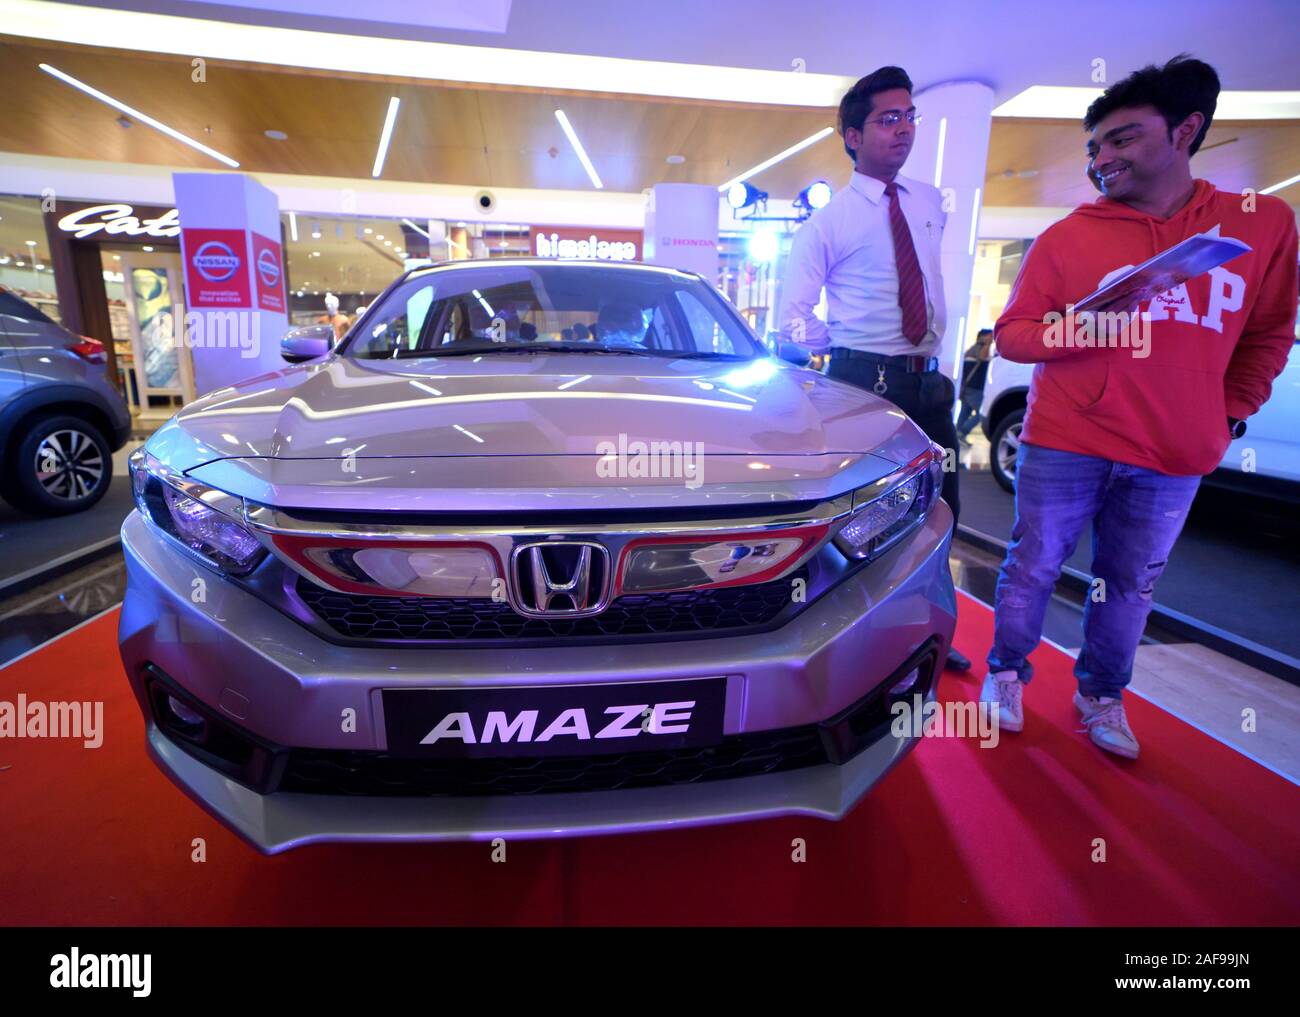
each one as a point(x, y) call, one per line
point(554, 720)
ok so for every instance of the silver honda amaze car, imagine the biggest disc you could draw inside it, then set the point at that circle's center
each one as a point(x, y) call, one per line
point(540, 549)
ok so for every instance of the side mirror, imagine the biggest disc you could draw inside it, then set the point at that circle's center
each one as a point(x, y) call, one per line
point(307, 343)
point(793, 353)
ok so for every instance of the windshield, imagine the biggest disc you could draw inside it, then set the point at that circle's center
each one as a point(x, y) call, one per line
point(553, 308)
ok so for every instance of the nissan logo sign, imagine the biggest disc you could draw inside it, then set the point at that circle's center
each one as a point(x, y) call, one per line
point(215, 261)
point(268, 266)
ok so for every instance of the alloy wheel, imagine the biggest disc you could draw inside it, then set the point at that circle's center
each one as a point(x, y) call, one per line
point(69, 465)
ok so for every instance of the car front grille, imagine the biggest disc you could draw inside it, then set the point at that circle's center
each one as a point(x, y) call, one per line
point(318, 771)
point(729, 610)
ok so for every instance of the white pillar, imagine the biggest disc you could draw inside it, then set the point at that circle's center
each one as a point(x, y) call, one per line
point(234, 276)
point(681, 228)
point(951, 151)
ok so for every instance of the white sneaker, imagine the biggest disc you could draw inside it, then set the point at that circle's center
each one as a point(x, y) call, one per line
point(1004, 688)
point(1107, 724)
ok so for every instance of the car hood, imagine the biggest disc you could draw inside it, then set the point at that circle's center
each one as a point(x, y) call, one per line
point(505, 422)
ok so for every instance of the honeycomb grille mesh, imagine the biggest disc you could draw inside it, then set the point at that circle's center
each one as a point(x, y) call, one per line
point(727, 610)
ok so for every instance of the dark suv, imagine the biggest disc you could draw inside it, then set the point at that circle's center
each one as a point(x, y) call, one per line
point(61, 419)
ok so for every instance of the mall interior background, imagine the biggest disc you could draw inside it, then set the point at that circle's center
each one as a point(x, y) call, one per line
point(479, 164)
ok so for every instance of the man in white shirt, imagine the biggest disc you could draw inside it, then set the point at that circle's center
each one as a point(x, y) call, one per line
point(875, 249)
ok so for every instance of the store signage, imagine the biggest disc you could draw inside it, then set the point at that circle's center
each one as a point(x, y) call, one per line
point(568, 242)
point(215, 271)
point(216, 261)
point(119, 220)
point(268, 273)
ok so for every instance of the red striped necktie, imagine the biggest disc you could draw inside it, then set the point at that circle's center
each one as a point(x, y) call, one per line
point(911, 284)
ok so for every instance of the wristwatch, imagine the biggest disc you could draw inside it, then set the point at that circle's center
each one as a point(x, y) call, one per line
point(1236, 428)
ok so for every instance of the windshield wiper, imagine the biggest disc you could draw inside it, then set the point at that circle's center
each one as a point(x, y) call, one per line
point(548, 347)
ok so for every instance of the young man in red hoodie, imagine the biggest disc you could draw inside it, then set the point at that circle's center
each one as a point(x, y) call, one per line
point(1120, 433)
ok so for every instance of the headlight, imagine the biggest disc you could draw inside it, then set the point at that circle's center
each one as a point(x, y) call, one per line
point(884, 516)
point(201, 519)
point(683, 565)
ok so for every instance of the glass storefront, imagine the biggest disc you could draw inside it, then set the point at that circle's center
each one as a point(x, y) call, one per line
point(25, 267)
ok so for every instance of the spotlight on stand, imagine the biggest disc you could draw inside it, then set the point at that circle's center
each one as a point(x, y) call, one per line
point(742, 195)
point(813, 197)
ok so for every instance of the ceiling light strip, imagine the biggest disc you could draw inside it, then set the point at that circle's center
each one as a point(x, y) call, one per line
point(793, 149)
point(1070, 102)
point(938, 161)
point(1281, 183)
point(144, 118)
point(572, 135)
point(386, 136)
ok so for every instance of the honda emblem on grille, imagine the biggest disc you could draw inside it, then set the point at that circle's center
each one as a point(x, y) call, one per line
point(560, 578)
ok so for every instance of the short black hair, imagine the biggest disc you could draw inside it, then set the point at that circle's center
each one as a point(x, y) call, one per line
point(855, 107)
point(1180, 88)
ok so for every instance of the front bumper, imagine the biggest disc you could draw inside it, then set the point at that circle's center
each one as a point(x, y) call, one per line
point(268, 676)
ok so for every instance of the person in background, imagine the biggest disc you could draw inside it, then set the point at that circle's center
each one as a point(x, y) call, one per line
point(975, 370)
point(333, 316)
point(1118, 439)
point(875, 249)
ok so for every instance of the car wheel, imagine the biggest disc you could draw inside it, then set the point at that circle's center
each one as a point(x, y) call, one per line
point(60, 464)
point(1004, 446)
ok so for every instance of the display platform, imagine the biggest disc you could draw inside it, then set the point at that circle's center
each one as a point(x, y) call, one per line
point(1194, 834)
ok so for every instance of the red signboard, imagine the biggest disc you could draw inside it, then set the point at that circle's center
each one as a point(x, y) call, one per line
point(216, 268)
point(595, 242)
point(268, 273)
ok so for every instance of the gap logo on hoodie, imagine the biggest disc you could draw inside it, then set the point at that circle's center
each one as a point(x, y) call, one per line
point(1215, 342)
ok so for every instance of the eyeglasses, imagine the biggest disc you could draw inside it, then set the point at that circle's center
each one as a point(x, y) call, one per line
point(892, 119)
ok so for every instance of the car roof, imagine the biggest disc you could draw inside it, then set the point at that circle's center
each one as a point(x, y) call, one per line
point(534, 262)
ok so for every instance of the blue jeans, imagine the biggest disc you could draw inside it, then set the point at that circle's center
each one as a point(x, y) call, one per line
point(1136, 516)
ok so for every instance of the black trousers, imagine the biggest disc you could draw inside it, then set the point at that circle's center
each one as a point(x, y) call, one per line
point(927, 398)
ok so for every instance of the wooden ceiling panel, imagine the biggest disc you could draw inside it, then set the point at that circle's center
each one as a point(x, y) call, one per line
point(500, 137)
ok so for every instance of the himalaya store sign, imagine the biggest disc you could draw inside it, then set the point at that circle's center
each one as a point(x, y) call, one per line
point(576, 242)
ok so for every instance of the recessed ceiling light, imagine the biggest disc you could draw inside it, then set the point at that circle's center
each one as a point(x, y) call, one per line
point(157, 125)
point(18, 264)
point(276, 135)
point(379, 236)
point(675, 160)
point(388, 243)
point(30, 243)
point(369, 230)
point(147, 250)
point(117, 257)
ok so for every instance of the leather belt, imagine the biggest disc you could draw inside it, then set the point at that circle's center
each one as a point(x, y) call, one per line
point(910, 364)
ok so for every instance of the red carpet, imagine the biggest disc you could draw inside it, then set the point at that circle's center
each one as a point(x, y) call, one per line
point(1195, 834)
